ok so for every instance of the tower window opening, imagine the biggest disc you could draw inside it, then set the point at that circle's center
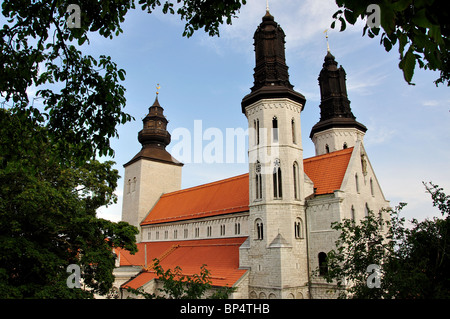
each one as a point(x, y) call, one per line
point(258, 180)
point(298, 229)
point(296, 185)
point(277, 189)
point(327, 149)
point(275, 129)
point(259, 229)
point(323, 266)
point(344, 146)
point(293, 132)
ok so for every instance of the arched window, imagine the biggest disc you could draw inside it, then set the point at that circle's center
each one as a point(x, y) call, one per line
point(258, 181)
point(237, 228)
point(293, 131)
point(357, 182)
point(298, 228)
point(277, 189)
point(259, 229)
point(353, 213)
point(327, 149)
point(380, 218)
point(133, 187)
point(275, 129)
point(129, 186)
point(371, 187)
point(323, 267)
point(296, 181)
point(344, 146)
point(366, 210)
point(256, 124)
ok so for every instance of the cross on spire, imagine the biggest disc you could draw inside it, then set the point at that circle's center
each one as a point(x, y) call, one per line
point(326, 36)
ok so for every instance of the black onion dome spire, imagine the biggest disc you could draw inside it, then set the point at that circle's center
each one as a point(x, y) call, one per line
point(271, 77)
point(334, 105)
point(154, 137)
point(154, 133)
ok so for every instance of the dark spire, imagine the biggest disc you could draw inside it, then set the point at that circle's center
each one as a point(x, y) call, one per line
point(154, 133)
point(154, 137)
point(334, 105)
point(271, 77)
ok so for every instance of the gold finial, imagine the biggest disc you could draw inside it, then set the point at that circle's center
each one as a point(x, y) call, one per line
point(326, 36)
point(157, 89)
point(267, 5)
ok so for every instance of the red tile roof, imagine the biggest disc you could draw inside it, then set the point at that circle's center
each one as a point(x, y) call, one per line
point(231, 195)
point(222, 197)
point(327, 171)
point(221, 257)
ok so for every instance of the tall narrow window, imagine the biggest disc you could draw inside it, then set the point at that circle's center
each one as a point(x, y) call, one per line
point(344, 146)
point(323, 267)
point(277, 190)
point(275, 129)
point(258, 181)
point(237, 228)
point(259, 229)
point(129, 186)
point(357, 182)
point(366, 210)
point(296, 182)
point(298, 228)
point(327, 149)
point(134, 185)
point(175, 234)
point(352, 213)
point(293, 132)
point(371, 187)
point(257, 131)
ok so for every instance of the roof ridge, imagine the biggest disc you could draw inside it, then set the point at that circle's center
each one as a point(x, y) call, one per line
point(330, 155)
point(221, 181)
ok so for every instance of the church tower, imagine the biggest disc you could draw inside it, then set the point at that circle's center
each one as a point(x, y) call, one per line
point(153, 171)
point(337, 128)
point(276, 251)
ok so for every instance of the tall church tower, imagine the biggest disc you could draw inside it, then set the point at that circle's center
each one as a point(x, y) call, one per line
point(276, 250)
point(337, 128)
point(153, 171)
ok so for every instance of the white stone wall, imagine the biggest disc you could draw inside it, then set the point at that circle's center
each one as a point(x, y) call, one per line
point(277, 262)
point(235, 225)
point(144, 183)
point(335, 138)
point(326, 209)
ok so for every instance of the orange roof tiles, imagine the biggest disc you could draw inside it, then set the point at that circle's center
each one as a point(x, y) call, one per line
point(222, 197)
point(327, 171)
point(221, 257)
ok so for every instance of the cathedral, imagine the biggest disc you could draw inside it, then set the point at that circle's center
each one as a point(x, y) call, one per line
point(267, 232)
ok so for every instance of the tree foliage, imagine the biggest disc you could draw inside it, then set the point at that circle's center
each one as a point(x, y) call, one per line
point(48, 216)
point(420, 27)
point(51, 181)
point(176, 285)
point(414, 262)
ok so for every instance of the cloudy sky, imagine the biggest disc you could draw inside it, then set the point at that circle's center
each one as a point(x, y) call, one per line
point(204, 79)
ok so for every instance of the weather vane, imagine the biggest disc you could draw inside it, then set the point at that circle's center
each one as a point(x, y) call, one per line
point(326, 36)
point(157, 89)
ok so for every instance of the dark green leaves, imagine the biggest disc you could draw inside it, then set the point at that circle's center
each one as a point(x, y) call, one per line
point(421, 28)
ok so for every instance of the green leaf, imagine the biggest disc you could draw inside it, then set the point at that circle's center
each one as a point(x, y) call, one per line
point(407, 64)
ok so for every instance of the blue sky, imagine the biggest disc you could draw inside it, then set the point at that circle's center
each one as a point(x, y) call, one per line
point(204, 78)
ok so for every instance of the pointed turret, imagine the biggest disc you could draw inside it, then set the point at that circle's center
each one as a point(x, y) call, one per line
point(337, 128)
point(154, 136)
point(271, 77)
point(334, 106)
